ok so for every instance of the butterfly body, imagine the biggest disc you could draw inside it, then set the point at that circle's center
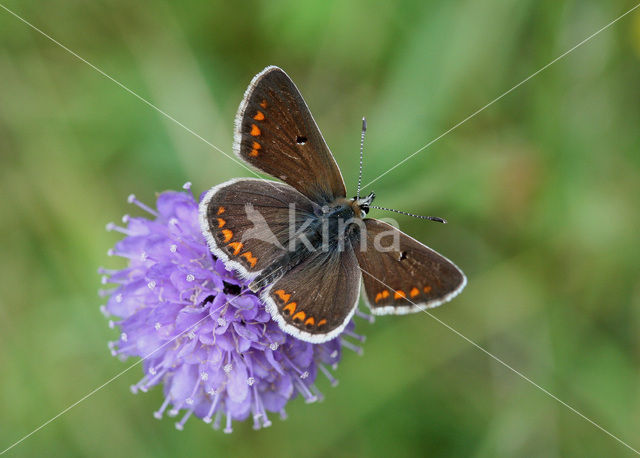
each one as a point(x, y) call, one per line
point(304, 246)
point(332, 227)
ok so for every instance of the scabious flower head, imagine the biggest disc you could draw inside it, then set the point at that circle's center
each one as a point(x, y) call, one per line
point(201, 332)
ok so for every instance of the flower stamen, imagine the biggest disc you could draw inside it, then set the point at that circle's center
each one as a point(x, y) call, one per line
point(132, 200)
point(180, 424)
point(214, 405)
point(354, 348)
point(158, 413)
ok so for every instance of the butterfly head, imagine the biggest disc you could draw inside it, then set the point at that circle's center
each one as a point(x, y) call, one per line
point(361, 205)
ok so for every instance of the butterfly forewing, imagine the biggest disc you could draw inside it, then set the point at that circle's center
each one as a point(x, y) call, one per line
point(247, 221)
point(315, 300)
point(276, 133)
point(405, 278)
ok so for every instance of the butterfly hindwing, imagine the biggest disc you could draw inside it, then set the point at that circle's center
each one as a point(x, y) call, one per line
point(246, 221)
point(315, 300)
point(406, 278)
point(276, 133)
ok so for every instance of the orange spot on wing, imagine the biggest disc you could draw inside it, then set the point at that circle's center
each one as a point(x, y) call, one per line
point(426, 289)
point(250, 258)
point(220, 210)
point(237, 246)
point(399, 294)
point(299, 316)
point(414, 292)
point(256, 146)
point(385, 294)
point(259, 116)
point(255, 130)
point(263, 104)
point(290, 307)
point(282, 295)
point(310, 321)
point(322, 322)
point(227, 235)
point(378, 297)
point(221, 222)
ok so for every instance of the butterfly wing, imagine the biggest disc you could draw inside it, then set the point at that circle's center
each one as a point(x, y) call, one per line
point(246, 221)
point(275, 132)
point(408, 278)
point(317, 298)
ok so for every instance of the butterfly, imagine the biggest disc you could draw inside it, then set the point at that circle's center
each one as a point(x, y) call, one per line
point(304, 246)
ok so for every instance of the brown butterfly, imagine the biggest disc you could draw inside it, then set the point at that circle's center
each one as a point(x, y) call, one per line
point(303, 244)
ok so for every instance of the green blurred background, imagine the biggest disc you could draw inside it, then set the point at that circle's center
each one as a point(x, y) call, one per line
point(541, 190)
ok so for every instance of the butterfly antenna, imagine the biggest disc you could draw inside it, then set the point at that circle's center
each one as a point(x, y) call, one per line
point(364, 130)
point(430, 218)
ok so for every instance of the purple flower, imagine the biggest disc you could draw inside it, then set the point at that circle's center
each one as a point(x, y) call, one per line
point(200, 331)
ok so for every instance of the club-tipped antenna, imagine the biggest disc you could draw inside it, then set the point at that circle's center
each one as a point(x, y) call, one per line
point(430, 218)
point(364, 130)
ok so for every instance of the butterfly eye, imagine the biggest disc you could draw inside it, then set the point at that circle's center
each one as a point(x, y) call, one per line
point(301, 140)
